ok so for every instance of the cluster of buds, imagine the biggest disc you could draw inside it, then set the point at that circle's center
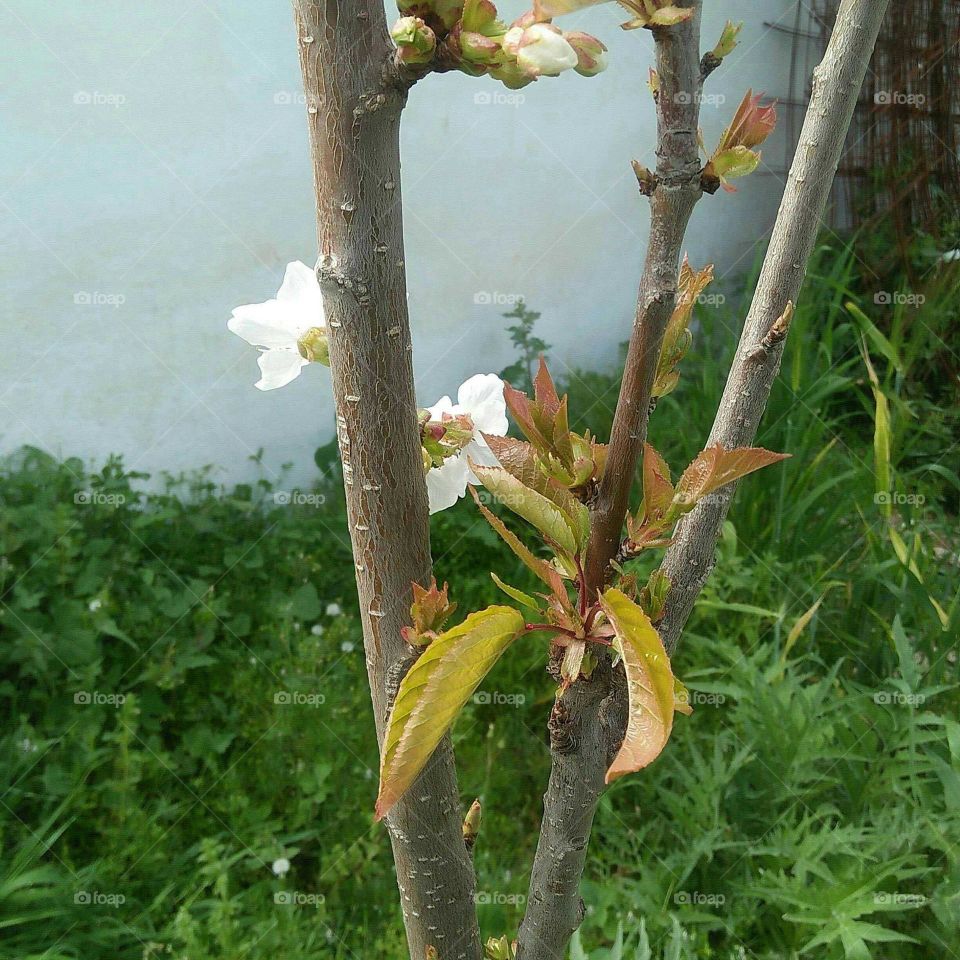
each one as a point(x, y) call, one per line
point(569, 459)
point(500, 949)
point(468, 36)
point(430, 611)
point(645, 13)
point(735, 155)
point(444, 438)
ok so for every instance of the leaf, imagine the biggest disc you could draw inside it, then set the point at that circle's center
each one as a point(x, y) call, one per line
point(650, 683)
point(434, 691)
point(536, 565)
point(657, 488)
point(715, 467)
point(524, 599)
point(533, 506)
point(799, 626)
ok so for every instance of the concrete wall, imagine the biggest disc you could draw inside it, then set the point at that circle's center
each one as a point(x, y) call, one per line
point(154, 174)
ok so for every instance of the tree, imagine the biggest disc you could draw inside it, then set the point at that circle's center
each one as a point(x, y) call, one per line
point(613, 714)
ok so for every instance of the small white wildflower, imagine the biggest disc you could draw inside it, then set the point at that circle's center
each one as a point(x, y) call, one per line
point(94, 605)
point(317, 629)
point(347, 646)
point(281, 867)
point(334, 609)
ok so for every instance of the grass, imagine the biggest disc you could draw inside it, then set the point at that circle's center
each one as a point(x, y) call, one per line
point(182, 707)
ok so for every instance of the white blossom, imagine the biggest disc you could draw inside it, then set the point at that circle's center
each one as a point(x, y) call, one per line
point(290, 330)
point(481, 398)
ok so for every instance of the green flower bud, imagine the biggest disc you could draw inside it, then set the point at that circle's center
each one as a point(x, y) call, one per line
point(591, 53)
point(314, 346)
point(728, 39)
point(415, 41)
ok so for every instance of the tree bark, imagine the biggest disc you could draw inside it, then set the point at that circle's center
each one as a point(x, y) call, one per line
point(355, 97)
point(836, 86)
point(588, 722)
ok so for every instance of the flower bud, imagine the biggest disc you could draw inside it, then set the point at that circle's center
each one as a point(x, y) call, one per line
point(541, 50)
point(591, 53)
point(415, 41)
point(477, 48)
point(314, 346)
point(471, 824)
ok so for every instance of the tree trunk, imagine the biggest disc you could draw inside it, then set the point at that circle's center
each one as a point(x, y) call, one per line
point(355, 97)
point(836, 86)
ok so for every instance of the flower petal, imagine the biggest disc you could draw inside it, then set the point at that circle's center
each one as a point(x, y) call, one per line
point(302, 292)
point(268, 325)
point(442, 406)
point(478, 452)
point(278, 368)
point(448, 483)
point(482, 397)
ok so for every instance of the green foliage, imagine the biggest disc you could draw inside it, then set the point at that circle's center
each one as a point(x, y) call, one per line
point(528, 345)
point(812, 799)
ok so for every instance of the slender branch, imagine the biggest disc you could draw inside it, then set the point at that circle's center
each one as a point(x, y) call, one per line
point(671, 204)
point(355, 96)
point(589, 718)
point(836, 87)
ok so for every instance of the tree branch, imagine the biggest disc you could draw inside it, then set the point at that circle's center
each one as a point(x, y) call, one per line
point(588, 721)
point(836, 87)
point(355, 95)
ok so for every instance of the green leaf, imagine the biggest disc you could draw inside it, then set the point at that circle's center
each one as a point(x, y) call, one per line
point(524, 599)
point(715, 467)
point(534, 507)
point(536, 565)
point(650, 682)
point(433, 692)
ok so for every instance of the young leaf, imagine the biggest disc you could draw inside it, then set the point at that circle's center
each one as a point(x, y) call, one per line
point(434, 691)
point(534, 507)
point(524, 599)
point(715, 467)
point(657, 488)
point(536, 565)
point(650, 684)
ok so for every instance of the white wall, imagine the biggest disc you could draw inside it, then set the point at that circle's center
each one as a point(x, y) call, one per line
point(153, 160)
